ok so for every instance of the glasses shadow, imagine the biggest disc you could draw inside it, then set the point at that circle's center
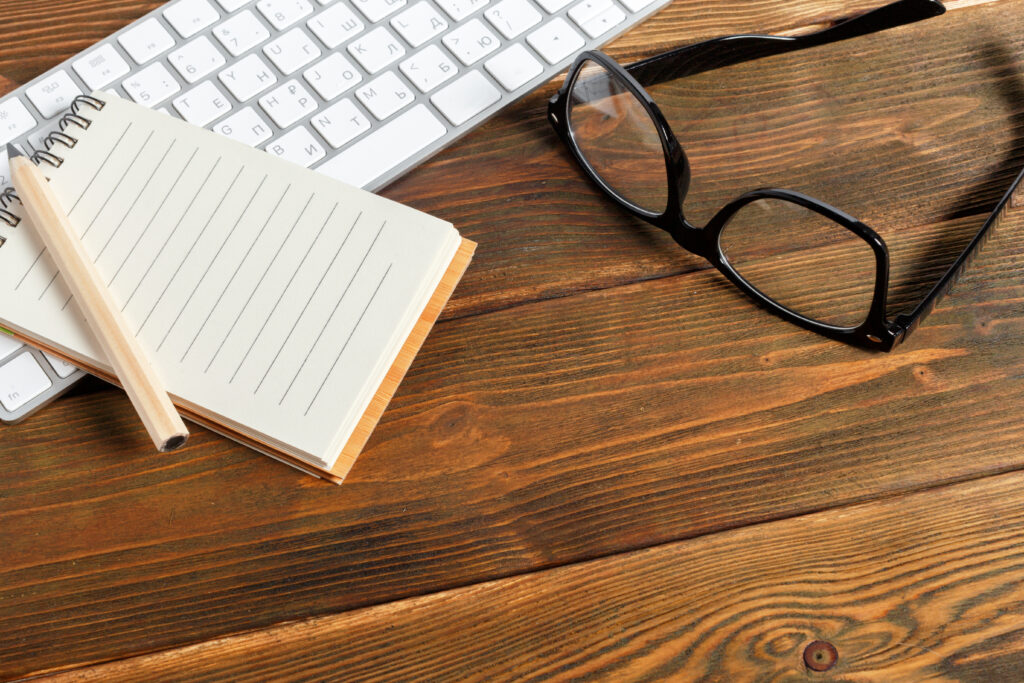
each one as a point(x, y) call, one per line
point(964, 218)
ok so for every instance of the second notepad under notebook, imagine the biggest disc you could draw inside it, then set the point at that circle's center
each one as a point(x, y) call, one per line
point(272, 299)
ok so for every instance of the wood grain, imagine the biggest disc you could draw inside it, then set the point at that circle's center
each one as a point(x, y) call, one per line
point(922, 587)
point(594, 389)
point(533, 437)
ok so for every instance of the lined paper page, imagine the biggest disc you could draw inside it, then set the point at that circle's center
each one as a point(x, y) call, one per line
point(269, 296)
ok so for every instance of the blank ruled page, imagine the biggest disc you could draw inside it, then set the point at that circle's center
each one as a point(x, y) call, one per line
point(271, 298)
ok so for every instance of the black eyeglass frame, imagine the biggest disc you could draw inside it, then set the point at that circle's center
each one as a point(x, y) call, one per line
point(876, 331)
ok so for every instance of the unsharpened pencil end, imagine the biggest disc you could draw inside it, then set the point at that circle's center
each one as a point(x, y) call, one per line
point(174, 443)
point(13, 151)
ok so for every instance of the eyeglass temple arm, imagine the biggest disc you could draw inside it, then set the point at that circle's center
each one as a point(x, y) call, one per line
point(905, 324)
point(722, 52)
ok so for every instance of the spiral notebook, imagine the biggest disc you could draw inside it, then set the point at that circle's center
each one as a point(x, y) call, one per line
point(281, 307)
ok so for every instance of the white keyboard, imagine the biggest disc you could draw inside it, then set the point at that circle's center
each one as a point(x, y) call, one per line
point(29, 378)
point(362, 90)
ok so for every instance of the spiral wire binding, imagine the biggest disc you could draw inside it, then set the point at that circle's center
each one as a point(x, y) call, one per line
point(70, 118)
point(73, 117)
point(6, 198)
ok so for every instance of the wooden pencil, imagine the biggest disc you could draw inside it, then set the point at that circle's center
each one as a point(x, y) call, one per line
point(134, 371)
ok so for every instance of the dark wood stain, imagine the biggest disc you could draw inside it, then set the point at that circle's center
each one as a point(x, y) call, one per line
point(921, 587)
point(594, 391)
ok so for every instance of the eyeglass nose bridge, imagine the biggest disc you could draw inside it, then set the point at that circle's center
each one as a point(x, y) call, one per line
point(678, 166)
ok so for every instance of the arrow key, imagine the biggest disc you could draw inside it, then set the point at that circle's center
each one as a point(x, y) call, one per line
point(555, 40)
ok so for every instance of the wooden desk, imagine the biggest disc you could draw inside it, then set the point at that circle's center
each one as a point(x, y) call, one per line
point(605, 462)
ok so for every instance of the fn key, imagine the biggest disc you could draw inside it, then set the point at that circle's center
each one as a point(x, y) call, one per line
point(21, 380)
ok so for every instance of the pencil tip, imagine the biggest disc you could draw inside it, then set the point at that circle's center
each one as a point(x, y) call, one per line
point(13, 151)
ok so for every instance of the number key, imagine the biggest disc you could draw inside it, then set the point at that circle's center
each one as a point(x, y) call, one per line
point(241, 32)
point(283, 13)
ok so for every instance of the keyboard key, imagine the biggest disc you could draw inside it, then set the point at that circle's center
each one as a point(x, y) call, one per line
point(63, 368)
point(196, 59)
point(283, 13)
point(385, 95)
point(471, 41)
point(514, 67)
point(22, 380)
point(552, 6)
point(335, 25)
point(375, 10)
point(53, 94)
point(460, 9)
point(146, 41)
point(341, 123)
point(202, 104)
point(583, 12)
point(245, 126)
point(15, 120)
point(636, 5)
point(288, 103)
point(429, 68)
point(232, 5)
point(241, 33)
point(8, 345)
point(292, 51)
point(419, 23)
point(466, 97)
point(383, 149)
point(35, 139)
point(151, 85)
point(604, 22)
point(5, 171)
point(189, 17)
point(332, 76)
point(247, 78)
point(556, 40)
point(512, 17)
point(298, 146)
point(101, 67)
point(376, 49)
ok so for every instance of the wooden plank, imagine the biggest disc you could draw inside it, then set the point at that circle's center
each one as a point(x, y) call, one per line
point(553, 432)
point(537, 436)
point(922, 587)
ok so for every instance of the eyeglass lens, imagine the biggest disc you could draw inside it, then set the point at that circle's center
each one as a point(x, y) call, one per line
point(830, 280)
point(618, 138)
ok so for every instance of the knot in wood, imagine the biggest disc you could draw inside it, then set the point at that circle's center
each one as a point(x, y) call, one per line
point(820, 656)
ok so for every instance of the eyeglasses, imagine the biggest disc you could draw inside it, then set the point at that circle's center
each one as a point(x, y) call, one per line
point(618, 135)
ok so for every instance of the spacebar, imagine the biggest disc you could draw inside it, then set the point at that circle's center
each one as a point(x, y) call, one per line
point(385, 148)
